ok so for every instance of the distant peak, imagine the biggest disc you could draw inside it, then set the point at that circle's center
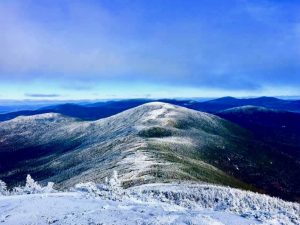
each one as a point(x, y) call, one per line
point(44, 116)
point(227, 97)
point(247, 108)
point(265, 98)
point(157, 104)
point(224, 99)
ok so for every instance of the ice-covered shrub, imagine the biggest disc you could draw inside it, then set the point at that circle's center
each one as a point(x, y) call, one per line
point(244, 203)
point(111, 189)
point(49, 188)
point(89, 188)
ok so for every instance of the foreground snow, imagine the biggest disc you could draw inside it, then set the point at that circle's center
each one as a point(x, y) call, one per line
point(148, 204)
point(75, 208)
point(262, 208)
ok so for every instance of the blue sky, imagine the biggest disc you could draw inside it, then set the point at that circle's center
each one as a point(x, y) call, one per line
point(68, 49)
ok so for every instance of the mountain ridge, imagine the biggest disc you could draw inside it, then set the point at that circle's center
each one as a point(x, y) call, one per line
point(154, 142)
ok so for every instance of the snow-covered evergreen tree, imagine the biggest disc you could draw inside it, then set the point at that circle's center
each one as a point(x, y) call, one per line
point(49, 188)
point(114, 181)
point(32, 187)
point(3, 188)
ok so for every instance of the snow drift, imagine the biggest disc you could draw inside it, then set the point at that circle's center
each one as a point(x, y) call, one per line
point(177, 203)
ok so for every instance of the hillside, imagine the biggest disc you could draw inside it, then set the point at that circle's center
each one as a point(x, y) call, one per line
point(279, 128)
point(154, 142)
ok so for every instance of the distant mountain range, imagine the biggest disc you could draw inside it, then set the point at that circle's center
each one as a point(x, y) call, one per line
point(94, 111)
point(230, 102)
point(153, 142)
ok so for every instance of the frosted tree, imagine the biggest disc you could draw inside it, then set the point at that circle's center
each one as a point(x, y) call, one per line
point(116, 190)
point(32, 187)
point(3, 188)
point(49, 188)
point(114, 180)
point(105, 180)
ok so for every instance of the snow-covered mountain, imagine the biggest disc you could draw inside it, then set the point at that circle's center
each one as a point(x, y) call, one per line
point(154, 142)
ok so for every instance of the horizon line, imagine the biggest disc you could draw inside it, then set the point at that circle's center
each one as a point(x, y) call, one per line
point(144, 98)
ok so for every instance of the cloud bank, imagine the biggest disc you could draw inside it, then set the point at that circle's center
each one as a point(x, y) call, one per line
point(36, 95)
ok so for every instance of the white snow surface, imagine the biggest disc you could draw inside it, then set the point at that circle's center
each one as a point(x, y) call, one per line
point(75, 208)
point(148, 204)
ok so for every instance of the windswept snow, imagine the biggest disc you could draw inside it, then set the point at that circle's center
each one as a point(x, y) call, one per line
point(183, 203)
point(175, 140)
point(263, 208)
point(139, 161)
point(75, 208)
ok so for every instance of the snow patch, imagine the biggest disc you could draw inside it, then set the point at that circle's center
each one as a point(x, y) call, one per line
point(174, 140)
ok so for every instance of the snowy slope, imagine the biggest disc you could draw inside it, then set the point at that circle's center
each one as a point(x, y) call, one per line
point(73, 208)
point(150, 204)
point(219, 198)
